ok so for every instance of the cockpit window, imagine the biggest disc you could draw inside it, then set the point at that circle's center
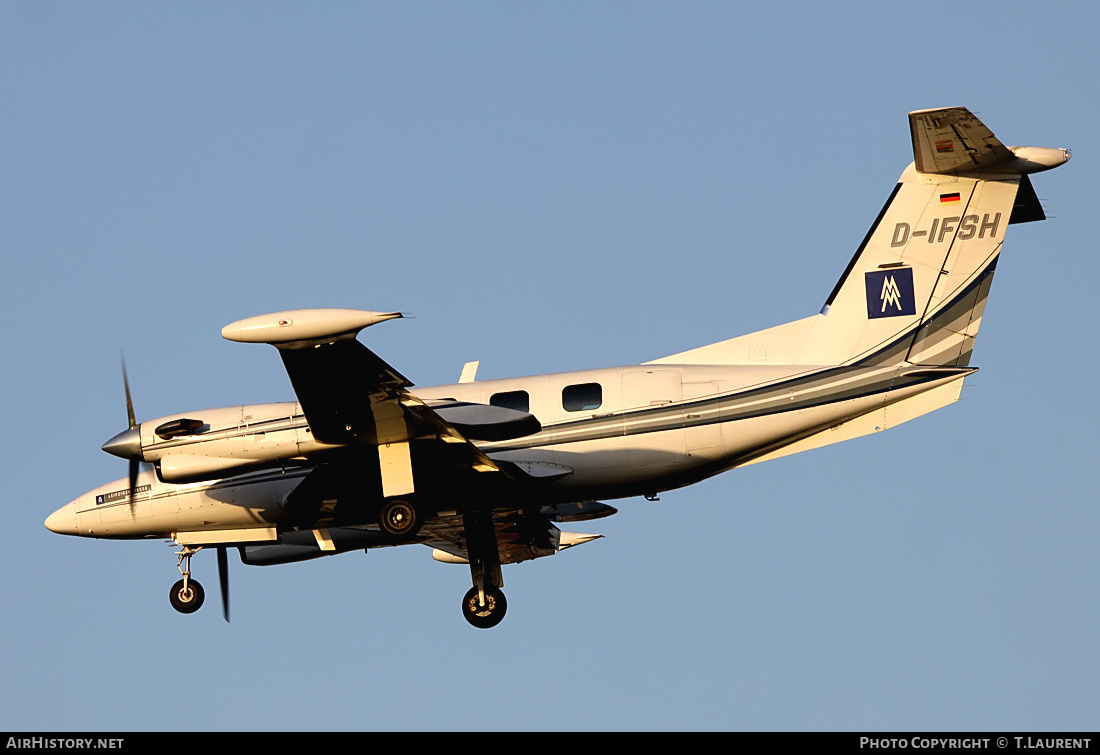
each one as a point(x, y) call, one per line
point(518, 400)
point(582, 398)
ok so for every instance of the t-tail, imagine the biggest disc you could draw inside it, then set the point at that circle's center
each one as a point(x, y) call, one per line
point(914, 292)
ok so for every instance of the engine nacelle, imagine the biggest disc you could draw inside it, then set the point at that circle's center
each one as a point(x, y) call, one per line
point(303, 546)
point(181, 468)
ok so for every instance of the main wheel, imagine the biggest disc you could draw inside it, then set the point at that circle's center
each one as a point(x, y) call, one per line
point(189, 600)
point(488, 615)
point(398, 518)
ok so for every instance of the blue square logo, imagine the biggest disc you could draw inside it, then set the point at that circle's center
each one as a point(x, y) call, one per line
point(890, 293)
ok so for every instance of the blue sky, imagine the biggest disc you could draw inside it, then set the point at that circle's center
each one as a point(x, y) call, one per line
point(544, 187)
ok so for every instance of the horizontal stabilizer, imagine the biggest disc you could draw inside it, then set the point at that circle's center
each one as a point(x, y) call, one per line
point(949, 140)
point(882, 418)
point(569, 539)
point(953, 140)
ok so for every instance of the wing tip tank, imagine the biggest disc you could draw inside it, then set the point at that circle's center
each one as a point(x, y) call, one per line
point(304, 325)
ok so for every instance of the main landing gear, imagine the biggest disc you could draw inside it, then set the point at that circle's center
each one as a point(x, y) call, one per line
point(187, 594)
point(398, 518)
point(484, 611)
point(484, 605)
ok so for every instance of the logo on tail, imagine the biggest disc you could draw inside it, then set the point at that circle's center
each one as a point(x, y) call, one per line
point(890, 293)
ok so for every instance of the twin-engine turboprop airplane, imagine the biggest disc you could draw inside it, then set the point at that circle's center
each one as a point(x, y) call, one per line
point(482, 472)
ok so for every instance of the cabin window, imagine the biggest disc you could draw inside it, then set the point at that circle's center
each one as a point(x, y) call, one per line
point(582, 398)
point(518, 400)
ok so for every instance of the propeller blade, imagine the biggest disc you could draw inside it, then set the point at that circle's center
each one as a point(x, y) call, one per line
point(129, 403)
point(135, 464)
point(223, 578)
point(135, 467)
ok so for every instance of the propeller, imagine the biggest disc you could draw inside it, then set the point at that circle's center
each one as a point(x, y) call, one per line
point(223, 579)
point(135, 461)
point(127, 444)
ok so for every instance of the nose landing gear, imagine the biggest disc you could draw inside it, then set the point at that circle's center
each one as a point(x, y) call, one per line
point(186, 595)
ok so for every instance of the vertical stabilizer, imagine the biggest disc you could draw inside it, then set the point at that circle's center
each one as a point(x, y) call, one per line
point(915, 290)
point(926, 266)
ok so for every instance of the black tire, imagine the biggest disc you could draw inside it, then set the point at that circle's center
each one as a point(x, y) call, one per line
point(398, 518)
point(190, 601)
point(489, 615)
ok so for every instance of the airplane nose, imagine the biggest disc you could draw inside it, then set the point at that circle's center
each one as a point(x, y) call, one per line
point(63, 521)
point(125, 445)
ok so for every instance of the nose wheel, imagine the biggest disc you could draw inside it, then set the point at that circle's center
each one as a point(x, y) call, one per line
point(187, 595)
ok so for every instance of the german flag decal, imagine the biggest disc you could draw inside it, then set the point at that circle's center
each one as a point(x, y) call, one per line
point(950, 198)
point(946, 145)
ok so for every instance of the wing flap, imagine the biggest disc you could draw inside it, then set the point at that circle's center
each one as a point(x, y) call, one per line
point(521, 535)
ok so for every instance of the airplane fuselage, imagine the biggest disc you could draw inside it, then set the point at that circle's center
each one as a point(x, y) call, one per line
point(606, 433)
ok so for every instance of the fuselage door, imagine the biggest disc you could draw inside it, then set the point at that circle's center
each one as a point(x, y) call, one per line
point(653, 422)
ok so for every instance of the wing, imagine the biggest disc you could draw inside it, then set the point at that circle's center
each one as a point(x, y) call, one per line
point(353, 398)
point(360, 406)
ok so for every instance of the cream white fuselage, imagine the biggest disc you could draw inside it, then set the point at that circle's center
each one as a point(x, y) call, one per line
point(655, 427)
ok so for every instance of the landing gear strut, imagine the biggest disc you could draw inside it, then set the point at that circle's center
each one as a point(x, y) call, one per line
point(484, 605)
point(187, 595)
